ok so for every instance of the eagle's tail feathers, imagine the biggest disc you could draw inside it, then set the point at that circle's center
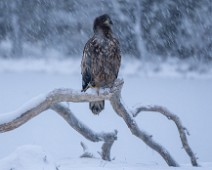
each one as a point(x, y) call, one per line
point(97, 107)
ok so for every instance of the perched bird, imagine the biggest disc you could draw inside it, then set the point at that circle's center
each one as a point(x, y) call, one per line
point(101, 60)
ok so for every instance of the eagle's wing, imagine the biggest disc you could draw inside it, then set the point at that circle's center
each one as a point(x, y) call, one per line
point(115, 56)
point(86, 66)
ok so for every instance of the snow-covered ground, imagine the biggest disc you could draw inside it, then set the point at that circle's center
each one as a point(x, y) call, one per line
point(47, 142)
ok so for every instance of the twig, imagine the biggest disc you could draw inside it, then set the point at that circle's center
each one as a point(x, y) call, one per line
point(85, 154)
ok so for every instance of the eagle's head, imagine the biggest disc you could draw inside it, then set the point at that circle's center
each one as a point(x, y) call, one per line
point(103, 23)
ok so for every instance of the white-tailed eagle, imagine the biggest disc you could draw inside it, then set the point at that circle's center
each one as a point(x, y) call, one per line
point(101, 59)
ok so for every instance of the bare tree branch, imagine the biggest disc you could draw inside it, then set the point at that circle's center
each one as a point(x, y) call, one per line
point(52, 100)
point(64, 95)
point(73, 122)
point(57, 96)
point(107, 138)
point(132, 125)
point(182, 130)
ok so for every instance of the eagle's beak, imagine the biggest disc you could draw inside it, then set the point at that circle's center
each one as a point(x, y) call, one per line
point(108, 22)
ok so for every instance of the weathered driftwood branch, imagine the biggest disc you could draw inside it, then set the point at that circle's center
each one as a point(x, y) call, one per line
point(51, 100)
point(54, 97)
point(107, 138)
point(181, 129)
point(132, 125)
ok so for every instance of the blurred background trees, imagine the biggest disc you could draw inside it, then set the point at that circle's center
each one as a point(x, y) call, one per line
point(147, 29)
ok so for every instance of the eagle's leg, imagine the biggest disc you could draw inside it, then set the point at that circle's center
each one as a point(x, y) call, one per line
point(97, 90)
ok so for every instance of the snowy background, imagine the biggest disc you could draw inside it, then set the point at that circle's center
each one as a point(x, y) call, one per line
point(166, 60)
point(148, 30)
point(48, 136)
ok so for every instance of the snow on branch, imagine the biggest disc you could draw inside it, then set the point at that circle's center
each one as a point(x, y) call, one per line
point(37, 105)
point(181, 129)
point(10, 121)
point(53, 99)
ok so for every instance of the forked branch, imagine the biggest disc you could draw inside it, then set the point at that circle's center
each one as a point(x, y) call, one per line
point(52, 101)
point(145, 137)
point(181, 129)
point(107, 138)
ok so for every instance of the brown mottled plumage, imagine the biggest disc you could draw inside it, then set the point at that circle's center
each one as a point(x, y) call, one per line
point(101, 59)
